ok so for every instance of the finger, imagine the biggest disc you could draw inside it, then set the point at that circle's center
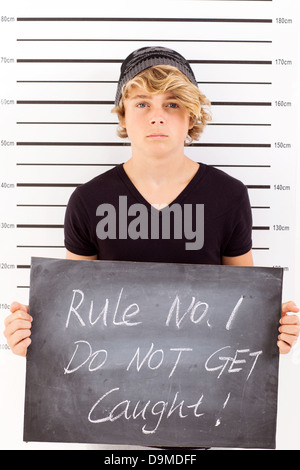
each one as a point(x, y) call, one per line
point(289, 339)
point(15, 339)
point(19, 314)
point(21, 348)
point(16, 325)
point(289, 320)
point(289, 307)
point(284, 348)
point(17, 306)
point(290, 329)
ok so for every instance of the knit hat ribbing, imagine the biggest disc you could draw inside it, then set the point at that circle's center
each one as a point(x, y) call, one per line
point(146, 57)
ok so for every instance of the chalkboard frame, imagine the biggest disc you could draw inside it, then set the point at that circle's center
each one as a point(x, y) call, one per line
point(65, 418)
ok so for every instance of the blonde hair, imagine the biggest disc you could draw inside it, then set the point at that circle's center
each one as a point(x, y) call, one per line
point(165, 78)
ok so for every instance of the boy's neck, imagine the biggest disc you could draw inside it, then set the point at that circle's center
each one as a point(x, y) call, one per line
point(158, 170)
point(161, 181)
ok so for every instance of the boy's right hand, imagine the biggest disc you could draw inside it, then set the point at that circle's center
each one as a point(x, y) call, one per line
point(18, 329)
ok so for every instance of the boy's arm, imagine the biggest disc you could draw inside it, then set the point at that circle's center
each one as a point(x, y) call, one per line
point(70, 255)
point(243, 260)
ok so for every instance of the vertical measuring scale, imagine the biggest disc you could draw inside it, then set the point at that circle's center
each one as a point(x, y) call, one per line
point(8, 255)
point(284, 142)
point(285, 213)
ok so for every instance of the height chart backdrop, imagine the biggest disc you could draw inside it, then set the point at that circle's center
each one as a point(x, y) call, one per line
point(59, 66)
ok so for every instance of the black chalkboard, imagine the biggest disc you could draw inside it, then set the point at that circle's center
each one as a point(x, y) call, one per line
point(153, 354)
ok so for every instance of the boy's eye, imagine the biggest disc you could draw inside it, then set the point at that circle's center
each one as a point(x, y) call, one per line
point(141, 105)
point(173, 105)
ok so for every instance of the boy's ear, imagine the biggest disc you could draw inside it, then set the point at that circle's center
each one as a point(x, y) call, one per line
point(191, 124)
point(122, 122)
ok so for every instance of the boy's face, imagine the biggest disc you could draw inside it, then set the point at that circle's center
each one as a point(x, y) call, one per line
point(156, 124)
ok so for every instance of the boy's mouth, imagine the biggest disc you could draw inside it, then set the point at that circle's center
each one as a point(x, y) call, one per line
point(157, 136)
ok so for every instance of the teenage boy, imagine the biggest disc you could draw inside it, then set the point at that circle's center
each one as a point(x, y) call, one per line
point(160, 205)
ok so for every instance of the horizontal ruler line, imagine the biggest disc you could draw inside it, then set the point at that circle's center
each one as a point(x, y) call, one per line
point(260, 248)
point(66, 164)
point(48, 185)
point(237, 124)
point(41, 205)
point(115, 81)
point(177, 20)
point(39, 226)
point(65, 205)
point(146, 40)
point(121, 144)
point(75, 185)
point(115, 164)
point(40, 246)
point(36, 226)
point(102, 102)
point(258, 186)
point(119, 61)
point(69, 123)
point(33, 123)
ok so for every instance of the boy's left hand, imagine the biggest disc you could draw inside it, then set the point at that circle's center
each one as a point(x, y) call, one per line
point(289, 327)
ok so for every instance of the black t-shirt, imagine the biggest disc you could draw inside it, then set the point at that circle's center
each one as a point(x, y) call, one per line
point(210, 218)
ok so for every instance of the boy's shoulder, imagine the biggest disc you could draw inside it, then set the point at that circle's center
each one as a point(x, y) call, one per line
point(222, 182)
point(101, 187)
point(105, 177)
point(105, 181)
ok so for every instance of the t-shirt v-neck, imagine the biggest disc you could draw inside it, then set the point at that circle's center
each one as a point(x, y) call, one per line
point(178, 199)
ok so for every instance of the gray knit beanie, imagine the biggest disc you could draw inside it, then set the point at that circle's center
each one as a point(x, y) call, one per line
point(146, 57)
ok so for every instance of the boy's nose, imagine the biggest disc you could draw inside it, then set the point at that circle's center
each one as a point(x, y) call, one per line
point(157, 119)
